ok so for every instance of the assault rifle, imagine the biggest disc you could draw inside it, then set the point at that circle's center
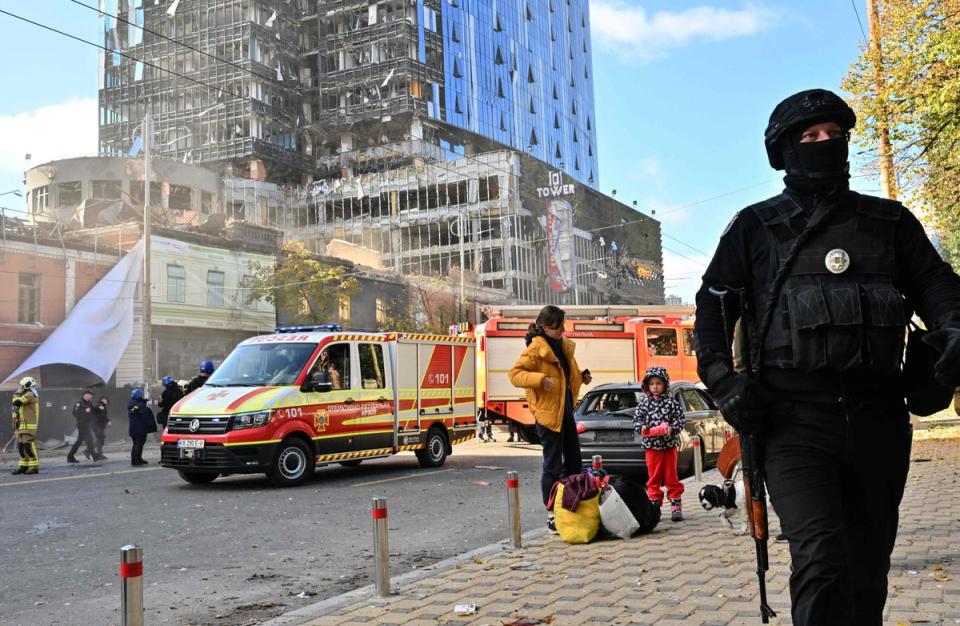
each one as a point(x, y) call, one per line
point(750, 460)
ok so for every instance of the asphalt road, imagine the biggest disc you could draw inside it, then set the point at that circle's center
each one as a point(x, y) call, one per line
point(239, 551)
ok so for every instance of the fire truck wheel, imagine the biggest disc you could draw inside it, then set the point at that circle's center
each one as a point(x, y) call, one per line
point(351, 462)
point(435, 452)
point(293, 464)
point(198, 478)
point(529, 433)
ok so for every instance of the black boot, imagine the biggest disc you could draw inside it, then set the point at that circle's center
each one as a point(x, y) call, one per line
point(32, 470)
point(72, 459)
point(19, 470)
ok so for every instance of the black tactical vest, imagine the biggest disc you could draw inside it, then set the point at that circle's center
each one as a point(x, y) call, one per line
point(848, 318)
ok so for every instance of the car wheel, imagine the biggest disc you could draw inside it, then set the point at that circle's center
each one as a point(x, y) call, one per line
point(292, 465)
point(529, 433)
point(351, 462)
point(198, 478)
point(435, 452)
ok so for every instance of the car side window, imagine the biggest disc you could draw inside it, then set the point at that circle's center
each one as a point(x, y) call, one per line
point(335, 361)
point(689, 347)
point(708, 400)
point(371, 365)
point(661, 342)
point(692, 400)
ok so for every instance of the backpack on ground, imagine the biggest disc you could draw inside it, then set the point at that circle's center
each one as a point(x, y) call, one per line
point(634, 496)
point(615, 516)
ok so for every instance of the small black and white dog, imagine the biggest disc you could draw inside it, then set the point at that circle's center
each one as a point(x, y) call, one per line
point(728, 499)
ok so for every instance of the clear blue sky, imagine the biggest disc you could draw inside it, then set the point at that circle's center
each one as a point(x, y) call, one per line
point(683, 91)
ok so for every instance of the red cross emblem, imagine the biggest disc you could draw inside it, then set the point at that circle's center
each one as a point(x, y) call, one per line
point(217, 394)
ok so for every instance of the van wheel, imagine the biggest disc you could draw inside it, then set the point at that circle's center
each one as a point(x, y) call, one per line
point(528, 432)
point(198, 478)
point(435, 452)
point(351, 462)
point(292, 465)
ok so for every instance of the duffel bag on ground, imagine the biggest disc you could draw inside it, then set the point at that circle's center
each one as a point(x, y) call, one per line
point(579, 526)
point(646, 513)
point(615, 516)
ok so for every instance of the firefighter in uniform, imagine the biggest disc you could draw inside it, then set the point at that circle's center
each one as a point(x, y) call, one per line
point(827, 279)
point(26, 418)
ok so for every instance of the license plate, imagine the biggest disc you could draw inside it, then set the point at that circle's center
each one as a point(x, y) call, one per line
point(614, 435)
point(190, 443)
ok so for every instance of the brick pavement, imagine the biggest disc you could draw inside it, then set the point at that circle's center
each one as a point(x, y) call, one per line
point(691, 573)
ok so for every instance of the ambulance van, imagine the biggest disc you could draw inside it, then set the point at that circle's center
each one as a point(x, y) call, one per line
point(308, 396)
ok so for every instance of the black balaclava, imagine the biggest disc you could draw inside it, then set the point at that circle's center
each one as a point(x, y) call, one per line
point(816, 168)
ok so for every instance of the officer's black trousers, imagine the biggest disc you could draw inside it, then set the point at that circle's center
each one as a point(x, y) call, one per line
point(84, 438)
point(836, 474)
point(136, 452)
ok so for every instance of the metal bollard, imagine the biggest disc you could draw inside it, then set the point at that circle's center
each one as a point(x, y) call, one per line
point(697, 458)
point(381, 547)
point(131, 585)
point(597, 462)
point(513, 508)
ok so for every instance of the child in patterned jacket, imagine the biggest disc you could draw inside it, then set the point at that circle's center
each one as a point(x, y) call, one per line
point(659, 420)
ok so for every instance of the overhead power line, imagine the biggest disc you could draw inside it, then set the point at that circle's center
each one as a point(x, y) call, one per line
point(156, 34)
point(123, 54)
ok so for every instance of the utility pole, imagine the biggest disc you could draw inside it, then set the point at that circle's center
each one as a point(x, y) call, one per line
point(148, 357)
point(888, 180)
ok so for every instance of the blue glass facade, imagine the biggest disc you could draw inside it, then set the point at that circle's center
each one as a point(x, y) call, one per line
point(520, 73)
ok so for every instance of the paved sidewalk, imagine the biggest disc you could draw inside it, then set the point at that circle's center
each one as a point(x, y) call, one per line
point(690, 573)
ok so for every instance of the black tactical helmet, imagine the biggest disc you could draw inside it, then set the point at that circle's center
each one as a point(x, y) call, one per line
point(807, 108)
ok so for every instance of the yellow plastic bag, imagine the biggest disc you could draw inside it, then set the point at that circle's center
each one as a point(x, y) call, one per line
point(579, 526)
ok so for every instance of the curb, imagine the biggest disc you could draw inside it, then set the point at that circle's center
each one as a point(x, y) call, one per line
point(322, 608)
point(319, 609)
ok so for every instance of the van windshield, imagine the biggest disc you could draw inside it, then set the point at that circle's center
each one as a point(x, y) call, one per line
point(260, 365)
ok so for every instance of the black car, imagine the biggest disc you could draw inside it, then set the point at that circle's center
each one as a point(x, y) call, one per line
point(605, 426)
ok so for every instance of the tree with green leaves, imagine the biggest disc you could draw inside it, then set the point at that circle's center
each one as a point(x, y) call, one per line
point(919, 94)
point(301, 286)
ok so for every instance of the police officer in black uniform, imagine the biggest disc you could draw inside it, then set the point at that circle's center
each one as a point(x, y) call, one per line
point(84, 413)
point(826, 280)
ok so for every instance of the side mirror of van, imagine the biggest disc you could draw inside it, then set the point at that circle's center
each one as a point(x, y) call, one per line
point(319, 382)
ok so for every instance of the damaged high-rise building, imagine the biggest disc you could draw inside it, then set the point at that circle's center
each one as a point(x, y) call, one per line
point(437, 134)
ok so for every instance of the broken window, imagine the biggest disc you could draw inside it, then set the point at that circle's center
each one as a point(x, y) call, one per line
point(70, 193)
point(181, 198)
point(530, 74)
point(106, 189)
point(556, 121)
point(533, 137)
point(533, 109)
point(498, 57)
point(500, 88)
point(557, 153)
point(206, 202)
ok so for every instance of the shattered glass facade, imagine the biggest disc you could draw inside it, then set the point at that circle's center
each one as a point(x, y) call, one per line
point(221, 77)
point(520, 73)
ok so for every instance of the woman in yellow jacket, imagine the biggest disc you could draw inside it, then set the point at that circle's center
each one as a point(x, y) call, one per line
point(548, 371)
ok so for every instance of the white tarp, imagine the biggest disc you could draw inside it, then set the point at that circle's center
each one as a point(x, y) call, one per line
point(96, 332)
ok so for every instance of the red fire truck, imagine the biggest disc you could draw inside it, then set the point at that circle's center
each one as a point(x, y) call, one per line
point(285, 403)
point(616, 348)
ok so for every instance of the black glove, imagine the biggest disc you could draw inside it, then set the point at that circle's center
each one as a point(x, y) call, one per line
point(739, 399)
point(18, 402)
point(946, 341)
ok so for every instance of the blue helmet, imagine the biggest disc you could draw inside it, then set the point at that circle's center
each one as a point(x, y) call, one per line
point(207, 367)
point(137, 394)
point(166, 380)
